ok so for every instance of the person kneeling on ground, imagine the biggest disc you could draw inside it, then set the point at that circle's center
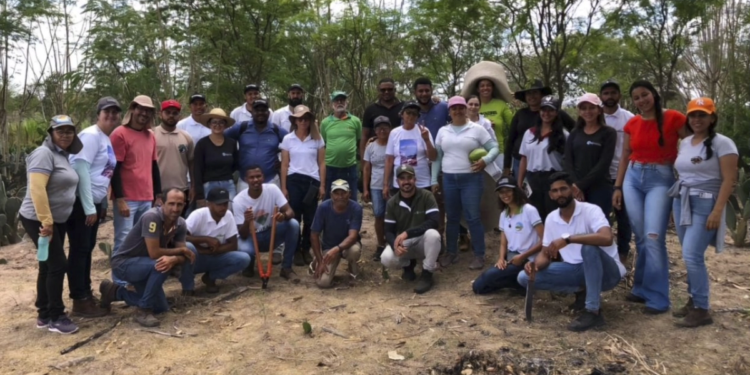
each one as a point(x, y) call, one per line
point(338, 240)
point(580, 233)
point(256, 205)
point(153, 250)
point(521, 230)
point(411, 222)
point(212, 234)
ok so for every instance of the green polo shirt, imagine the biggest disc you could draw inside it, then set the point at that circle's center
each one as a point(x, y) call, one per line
point(406, 217)
point(341, 137)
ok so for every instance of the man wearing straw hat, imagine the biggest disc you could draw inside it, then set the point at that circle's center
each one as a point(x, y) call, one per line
point(174, 150)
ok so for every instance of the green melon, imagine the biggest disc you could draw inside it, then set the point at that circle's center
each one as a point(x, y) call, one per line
point(477, 154)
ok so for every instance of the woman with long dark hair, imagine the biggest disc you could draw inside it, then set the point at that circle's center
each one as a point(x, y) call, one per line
point(644, 176)
point(216, 157)
point(589, 152)
point(707, 168)
point(542, 150)
point(521, 232)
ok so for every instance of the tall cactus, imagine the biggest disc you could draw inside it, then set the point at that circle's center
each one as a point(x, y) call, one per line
point(12, 206)
point(738, 210)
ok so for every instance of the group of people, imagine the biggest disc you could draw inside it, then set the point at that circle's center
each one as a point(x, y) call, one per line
point(178, 210)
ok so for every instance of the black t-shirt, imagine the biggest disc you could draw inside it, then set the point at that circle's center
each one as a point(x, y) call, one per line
point(213, 163)
point(522, 121)
point(588, 156)
point(376, 109)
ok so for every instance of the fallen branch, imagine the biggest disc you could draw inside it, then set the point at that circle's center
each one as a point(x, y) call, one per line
point(90, 338)
point(334, 332)
point(73, 362)
point(734, 310)
point(230, 295)
point(160, 333)
point(426, 305)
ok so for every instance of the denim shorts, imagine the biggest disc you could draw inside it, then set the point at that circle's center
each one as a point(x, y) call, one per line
point(378, 203)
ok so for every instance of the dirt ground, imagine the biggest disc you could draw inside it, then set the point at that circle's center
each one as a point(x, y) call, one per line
point(446, 331)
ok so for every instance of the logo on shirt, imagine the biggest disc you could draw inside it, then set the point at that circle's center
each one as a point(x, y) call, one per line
point(226, 154)
point(696, 160)
point(182, 148)
point(519, 226)
point(591, 143)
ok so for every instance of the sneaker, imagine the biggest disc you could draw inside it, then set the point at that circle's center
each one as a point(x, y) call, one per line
point(695, 318)
point(408, 274)
point(278, 254)
point(146, 318)
point(211, 286)
point(586, 321)
point(477, 263)
point(250, 270)
point(684, 310)
point(425, 282)
point(635, 299)
point(299, 259)
point(108, 291)
point(580, 303)
point(448, 259)
point(63, 325)
point(378, 253)
point(42, 323)
point(88, 308)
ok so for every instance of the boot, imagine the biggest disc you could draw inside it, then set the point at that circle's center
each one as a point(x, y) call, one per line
point(684, 310)
point(287, 273)
point(211, 286)
point(146, 318)
point(108, 291)
point(425, 282)
point(695, 318)
point(408, 274)
point(87, 308)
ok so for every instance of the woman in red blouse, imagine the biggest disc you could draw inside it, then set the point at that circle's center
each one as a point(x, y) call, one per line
point(643, 179)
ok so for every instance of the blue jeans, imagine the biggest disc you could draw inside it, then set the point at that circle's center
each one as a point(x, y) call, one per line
point(598, 273)
point(462, 192)
point(148, 282)
point(286, 232)
point(228, 184)
point(645, 189)
point(495, 279)
point(378, 203)
point(123, 225)
point(298, 185)
point(695, 239)
point(347, 173)
point(220, 266)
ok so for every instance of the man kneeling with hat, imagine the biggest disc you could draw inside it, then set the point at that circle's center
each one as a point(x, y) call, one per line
point(411, 222)
point(212, 235)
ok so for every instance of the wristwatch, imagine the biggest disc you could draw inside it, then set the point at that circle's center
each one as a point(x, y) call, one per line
point(566, 237)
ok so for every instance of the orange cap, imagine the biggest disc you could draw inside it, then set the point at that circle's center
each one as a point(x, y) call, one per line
point(703, 105)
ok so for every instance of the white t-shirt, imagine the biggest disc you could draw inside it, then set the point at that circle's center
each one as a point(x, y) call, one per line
point(457, 145)
point(408, 147)
point(196, 130)
point(520, 229)
point(200, 223)
point(262, 207)
point(617, 121)
point(303, 156)
point(587, 219)
point(691, 163)
point(537, 158)
point(280, 117)
point(100, 155)
point(375, 154)
point(241, 114)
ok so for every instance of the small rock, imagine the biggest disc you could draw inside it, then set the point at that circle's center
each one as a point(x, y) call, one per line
point(468, 371)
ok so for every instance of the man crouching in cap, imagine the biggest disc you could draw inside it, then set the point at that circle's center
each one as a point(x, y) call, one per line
point(411, 222)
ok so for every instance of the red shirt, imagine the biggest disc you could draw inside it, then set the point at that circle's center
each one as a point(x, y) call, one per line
point(135, 152)
point(644, 138)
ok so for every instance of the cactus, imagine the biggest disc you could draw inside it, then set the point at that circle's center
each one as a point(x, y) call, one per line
point(12, 206)
point(106, 249)
point(3, 195)
point(738, 210)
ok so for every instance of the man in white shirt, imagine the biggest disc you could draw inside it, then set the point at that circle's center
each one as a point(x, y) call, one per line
point(617, 117)
point(212, 236)
point(280, 117)
point(190, 124)
point(244, 112)
point(580, 234)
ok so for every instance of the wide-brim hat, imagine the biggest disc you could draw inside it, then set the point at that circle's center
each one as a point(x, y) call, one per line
point(141, 100)
point(219, 113)
point(537, 85)
point(491, 71)
point(299, 112)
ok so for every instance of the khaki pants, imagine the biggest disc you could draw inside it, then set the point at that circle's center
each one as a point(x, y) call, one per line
point(425, 247)
point(351, 255)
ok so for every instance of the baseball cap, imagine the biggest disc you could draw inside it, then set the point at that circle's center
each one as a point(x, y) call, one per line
point(295, 86)
point(410, 104)
point(107, 102)
point(339, 185)
point(260, 103)
point(609, 83)
point(61, 120)
point(195, 97)
point(549, 101)
point(456, 100)
point(703, 105)
point(381, 120)
point(218, 195)
point(170, 103)
point(590, 98)
point(251, 87)
point(506, 182)
point(404, 168)
point(337, 94)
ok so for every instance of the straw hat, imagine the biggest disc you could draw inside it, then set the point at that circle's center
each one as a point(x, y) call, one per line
point(491, 71)
point(215, 113)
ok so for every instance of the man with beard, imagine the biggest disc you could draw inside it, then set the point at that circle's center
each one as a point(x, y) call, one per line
point(280, 117)
point(523, 120)
point(244, 112)
point(433, 114)
point(190, 124)
point(617, 117)
point(136, 182)
point(580, 234)
point(341, 131)
point(387, 105)
point(411, 222)
point(174, 150)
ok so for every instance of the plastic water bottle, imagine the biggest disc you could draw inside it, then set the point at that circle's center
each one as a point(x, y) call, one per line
point(42, 249)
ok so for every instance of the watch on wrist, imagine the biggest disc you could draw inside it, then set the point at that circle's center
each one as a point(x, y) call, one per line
point(566, 237)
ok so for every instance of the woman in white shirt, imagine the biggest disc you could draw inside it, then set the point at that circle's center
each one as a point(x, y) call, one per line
point(302, 169)
point(473, 105)
point(542, 150)
point(521, 232)
point(409, 144)
point(463, 181)
point(707, 167)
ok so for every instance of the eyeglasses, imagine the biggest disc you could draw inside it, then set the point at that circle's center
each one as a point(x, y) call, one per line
point(65, 132)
